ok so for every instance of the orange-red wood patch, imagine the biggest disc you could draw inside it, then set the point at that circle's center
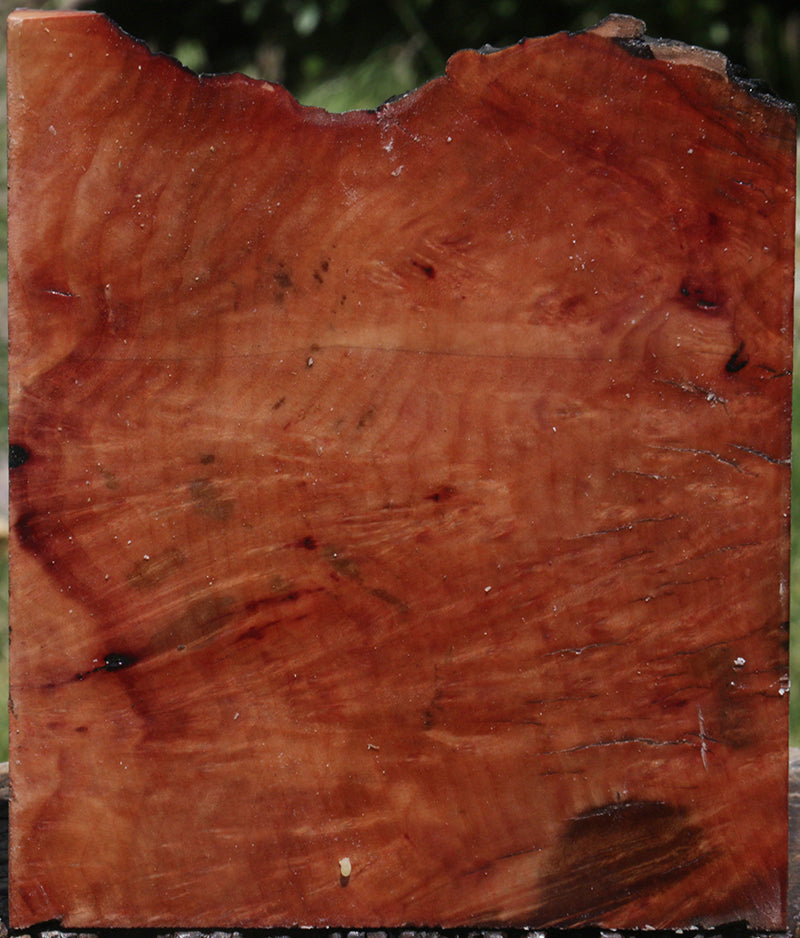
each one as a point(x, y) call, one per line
point(399, 498)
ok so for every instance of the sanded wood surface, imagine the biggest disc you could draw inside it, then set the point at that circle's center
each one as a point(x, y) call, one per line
point(399, 494)
point(726, 931)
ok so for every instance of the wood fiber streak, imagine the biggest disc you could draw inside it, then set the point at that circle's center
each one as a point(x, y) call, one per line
point(408, 486)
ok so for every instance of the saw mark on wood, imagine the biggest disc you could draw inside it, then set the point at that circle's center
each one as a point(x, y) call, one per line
point(765, 456)
point(579, 650)
point(695, 389)
point(622, 741)
point(703, 452)
point(629, 526)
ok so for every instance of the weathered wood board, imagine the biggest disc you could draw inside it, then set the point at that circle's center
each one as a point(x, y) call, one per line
point(408, 488)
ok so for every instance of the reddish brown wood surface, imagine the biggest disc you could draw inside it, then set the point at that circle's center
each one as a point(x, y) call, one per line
point(409, 487)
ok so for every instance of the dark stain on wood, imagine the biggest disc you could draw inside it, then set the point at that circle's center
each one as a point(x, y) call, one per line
point(366, 418)
point(18, 455)
point(116, 661)
point(283, 278)
point(443, 494)
point(342, 564)
point(706, 298)
point(390, 598)
point(609, 854)
point(209, 501)
point(737, 361)
point(637, 47)
point(28, 533)
point(200, 620)
point(428, 269)
point(726, 719)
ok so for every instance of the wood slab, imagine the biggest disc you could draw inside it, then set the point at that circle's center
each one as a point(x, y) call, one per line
point(47, 930)
point(399, 498)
